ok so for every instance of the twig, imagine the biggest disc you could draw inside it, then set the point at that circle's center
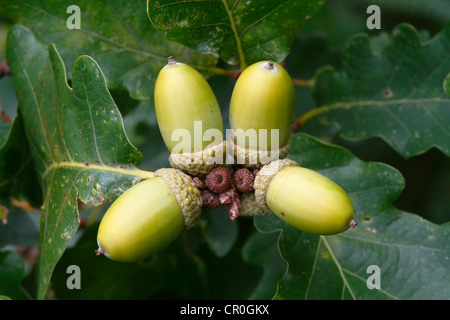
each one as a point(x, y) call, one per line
point(4, 69)
point(221, 72)
point(303, 82)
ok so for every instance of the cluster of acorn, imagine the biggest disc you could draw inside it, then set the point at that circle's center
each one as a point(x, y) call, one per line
point(151, 214)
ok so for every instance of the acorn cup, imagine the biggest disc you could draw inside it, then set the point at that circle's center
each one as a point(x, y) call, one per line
point(262, 110)
point(303, 198)
point(189, 119)
point(149, 216)
point(250, 207)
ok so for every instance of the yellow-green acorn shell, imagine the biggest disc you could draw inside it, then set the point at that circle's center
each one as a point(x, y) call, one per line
point(309, 201)
point(263, 98)
point(144, 220)
point(182, 97)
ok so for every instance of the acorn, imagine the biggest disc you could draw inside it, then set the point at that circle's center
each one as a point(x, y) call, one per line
point(303, 198)
point(261, 116)
point(149, 216)
point(189, 119)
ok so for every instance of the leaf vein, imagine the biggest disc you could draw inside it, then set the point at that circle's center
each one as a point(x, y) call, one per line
point(262, 18)
point(99, 36)
point(94, 133)
point(313, 268)
point(357, 276)
point(430, 76)
point(61, 205)
point(338, 265)
point(236, 36)
point(397, 245)
point(36, 104)
point(124, 171)
point(365, 103)
point(192, 1)
point(427, 110)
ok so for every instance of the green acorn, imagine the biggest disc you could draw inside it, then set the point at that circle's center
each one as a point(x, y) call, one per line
point(189, 119)
point(303, 198)
point(262, 110)
point(149, 216)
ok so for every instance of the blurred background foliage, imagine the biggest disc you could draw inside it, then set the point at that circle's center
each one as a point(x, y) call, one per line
point(319, 43)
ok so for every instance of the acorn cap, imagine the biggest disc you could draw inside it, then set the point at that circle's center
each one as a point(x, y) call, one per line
point(252, 158)
point(199, 163)
point(249, 206)
point(185, 191)
point(265, 176)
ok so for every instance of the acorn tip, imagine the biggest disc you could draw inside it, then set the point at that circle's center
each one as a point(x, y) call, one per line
point(269, 65)
point(100, 250)
point(170, 60)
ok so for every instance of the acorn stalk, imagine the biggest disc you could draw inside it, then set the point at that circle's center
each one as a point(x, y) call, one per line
point(189, 119)
point(261, 114)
